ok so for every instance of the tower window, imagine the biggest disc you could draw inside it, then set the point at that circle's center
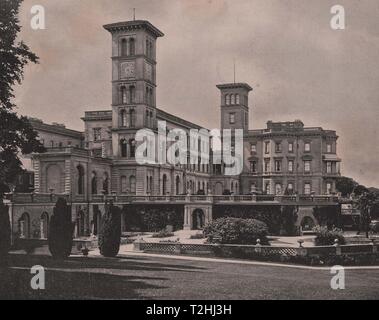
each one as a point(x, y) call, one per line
point(232, 118)
point(124, 98)
point(132, 47)
point(123, 145)
point(132, 94)
point(227, 99)
point(237, 99)
point(124, 118)
point(232, 99)
point(132, 118)
point(97, 134)
point(124, 47)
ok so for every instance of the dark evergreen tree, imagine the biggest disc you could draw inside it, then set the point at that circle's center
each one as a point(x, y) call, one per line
point(61, 231)
point(16, 134)
point(110, 232)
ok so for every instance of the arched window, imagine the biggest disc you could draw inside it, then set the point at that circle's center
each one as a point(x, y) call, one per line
point(232, 99)
point(147, 120)
point(237, 99)
point(124, 96)
point(177, 185)
point(132, 47)
point(123, 184)
point(132, 118)
point(124, 47)
point(151, 119)
point(80, 180)
point(132, 183)
point(147, 98)
point(132, 143)
point(124, 118)
point(94, 183)
point(24, 226)
point(132, 94)
point(106, 183)
point(124, 148)
point(227, 99)
point(151, 185)
point(151, 97)
point(164, 184)
point(44, 226)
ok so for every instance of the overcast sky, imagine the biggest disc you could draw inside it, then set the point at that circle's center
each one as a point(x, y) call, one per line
point(299, 67)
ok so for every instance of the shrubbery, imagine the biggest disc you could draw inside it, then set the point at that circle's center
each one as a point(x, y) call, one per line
point(236, 231)
point(326, 237)
point(110, 232)
point(61, 231)
point(163, 234)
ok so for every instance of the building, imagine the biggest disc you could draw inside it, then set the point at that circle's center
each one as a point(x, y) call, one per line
point(286, 157)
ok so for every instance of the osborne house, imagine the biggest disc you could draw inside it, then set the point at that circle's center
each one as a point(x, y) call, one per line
point(285, 163)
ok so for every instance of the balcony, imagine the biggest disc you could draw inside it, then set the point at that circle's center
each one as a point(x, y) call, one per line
point(35, 198)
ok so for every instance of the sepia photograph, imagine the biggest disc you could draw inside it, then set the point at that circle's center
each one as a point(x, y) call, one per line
point(189, 153)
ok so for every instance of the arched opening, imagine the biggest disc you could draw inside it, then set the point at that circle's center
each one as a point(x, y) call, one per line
point(164, 185)
point(232, 99)
point(94, 183)
point(132, 182)
point(132, 118)
point(132, 143)
point(124, 185)
point(80, 171)
point(123, 118)
point(151, 185)
point(132, 94)
point(307, 223)
point(237, 99)
point(227, 99)
point(96, 220)
point(106, 183)
point(177, 185)
point(24, 226)
point(124, 95)
point(44, 226)
point(124, 47)
point(132, 47)
point(124, 148)
point(218, 188)
point(80, 226)
point(198, 219)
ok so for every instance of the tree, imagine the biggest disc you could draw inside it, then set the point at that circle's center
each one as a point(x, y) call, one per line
point(16, 133)
point(110, 232)
point(366, 202)
point(360, 190)
point(346, 185)
point(61, 231)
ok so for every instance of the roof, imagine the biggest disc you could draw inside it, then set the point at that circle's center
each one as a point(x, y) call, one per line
point(234, 86)
point(134, 25)
point(39, 125)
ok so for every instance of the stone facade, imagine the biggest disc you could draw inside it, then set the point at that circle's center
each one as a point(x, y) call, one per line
point(286, 157)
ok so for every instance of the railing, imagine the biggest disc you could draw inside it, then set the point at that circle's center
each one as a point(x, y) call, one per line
point(224, 199)
point(259, 252)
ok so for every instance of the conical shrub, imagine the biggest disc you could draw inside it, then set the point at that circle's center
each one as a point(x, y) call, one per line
point(61, 231)
point(110, 232)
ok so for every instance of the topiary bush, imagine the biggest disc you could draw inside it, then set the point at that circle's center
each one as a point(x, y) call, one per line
point(236, 231)
point(61, 230)
point(110, 232)
point(326, 237)
point(5, 234)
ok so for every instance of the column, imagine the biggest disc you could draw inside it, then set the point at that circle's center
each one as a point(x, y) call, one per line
point(186, 225)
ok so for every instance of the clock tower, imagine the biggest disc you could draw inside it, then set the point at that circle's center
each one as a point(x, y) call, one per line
point(133, 79)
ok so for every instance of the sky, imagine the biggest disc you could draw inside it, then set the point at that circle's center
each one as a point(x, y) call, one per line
point(299, 67)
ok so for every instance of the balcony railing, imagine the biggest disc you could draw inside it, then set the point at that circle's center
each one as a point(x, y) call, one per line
point(25, 198)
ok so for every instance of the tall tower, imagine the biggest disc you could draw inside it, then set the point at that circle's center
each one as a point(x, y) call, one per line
point(235, 106)
point(133, 80)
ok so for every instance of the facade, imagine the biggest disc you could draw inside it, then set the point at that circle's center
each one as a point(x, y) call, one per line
point(284, 158)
